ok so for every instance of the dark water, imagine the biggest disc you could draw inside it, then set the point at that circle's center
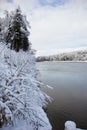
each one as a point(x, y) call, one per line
point(69, 82)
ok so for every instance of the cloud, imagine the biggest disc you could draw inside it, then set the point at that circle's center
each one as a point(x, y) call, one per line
point(6, 5)
point(26, 5)
point(57, 27)
point(54, 27)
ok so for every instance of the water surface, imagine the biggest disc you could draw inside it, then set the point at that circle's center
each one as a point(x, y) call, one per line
point(69, 82)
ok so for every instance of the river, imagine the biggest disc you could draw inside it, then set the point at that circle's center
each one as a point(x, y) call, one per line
point(69, 93)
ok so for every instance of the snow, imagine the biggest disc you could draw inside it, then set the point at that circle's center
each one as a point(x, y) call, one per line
point(70, 125)
point(24, 31)
point(20, 97)
point(21, 126)
point(5, 109)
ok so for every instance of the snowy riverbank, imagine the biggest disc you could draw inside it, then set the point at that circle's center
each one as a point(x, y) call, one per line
point(19, 85)
point(69, 125)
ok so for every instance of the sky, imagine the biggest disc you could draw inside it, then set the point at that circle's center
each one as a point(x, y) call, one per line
point(55, 24)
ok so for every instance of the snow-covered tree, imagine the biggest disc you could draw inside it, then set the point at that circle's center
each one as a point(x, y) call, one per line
point(1, 28)
point(18, 33)
point(4, 25)
point(21, 99)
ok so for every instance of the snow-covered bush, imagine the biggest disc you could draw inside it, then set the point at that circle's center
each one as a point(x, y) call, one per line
point(20, 96)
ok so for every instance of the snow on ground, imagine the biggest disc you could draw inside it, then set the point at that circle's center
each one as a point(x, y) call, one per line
point(22, 126)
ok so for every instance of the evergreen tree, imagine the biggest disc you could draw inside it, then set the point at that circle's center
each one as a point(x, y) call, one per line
point(18, 33)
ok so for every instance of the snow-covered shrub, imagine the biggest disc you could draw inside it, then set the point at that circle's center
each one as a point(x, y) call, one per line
point(19, 91)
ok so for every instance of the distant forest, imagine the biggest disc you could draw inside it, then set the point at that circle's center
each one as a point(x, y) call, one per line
point(69, 56)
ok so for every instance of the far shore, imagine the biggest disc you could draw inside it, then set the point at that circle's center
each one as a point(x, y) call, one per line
point(62, 61)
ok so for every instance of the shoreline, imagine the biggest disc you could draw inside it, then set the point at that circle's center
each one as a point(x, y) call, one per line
point(62, 61)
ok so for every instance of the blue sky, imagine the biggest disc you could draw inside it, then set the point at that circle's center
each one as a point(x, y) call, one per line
point(10, 1)
point(52, 2)
point(48, 2)
point(55, 24)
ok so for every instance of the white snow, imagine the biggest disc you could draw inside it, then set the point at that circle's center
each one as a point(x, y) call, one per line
point(19, 91)
point(70, 125)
